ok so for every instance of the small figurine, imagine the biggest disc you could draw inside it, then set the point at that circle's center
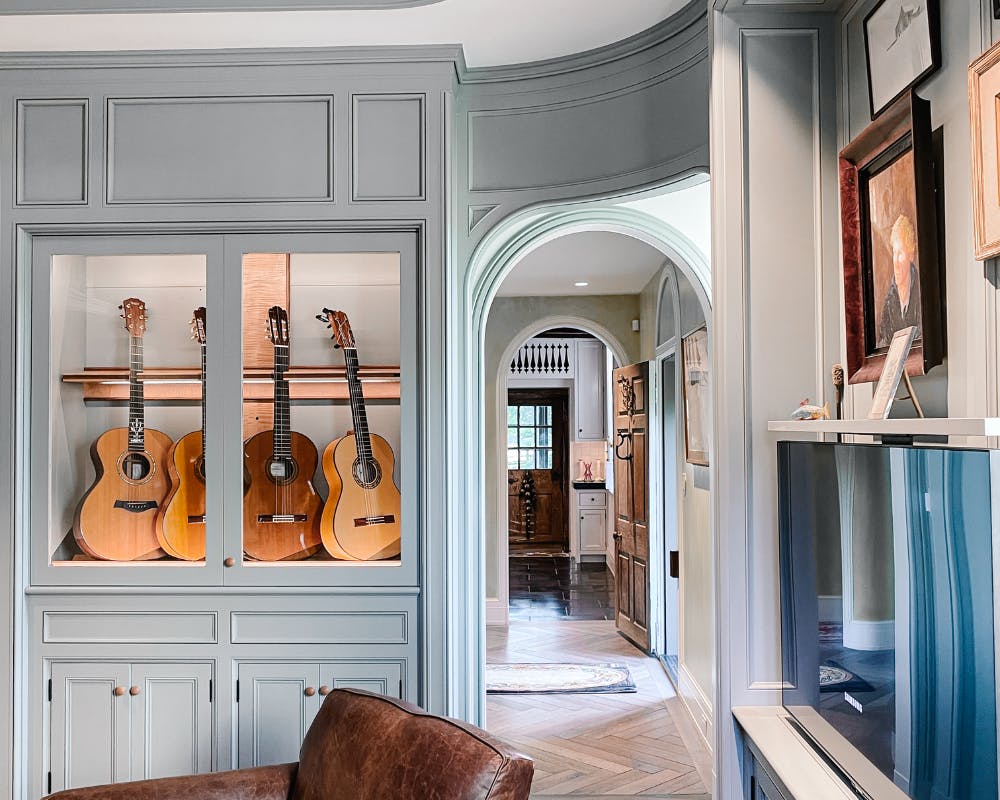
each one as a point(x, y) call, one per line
point(588, 474)
point(808, 412)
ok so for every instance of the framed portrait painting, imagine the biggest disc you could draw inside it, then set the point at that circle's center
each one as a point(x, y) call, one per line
point(902, 46)
point(890, 242)
point(694, 354)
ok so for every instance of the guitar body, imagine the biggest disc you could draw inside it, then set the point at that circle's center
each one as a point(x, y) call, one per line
point(180, 527)
point(267, 496)
point(360, 524)
point(116, 520)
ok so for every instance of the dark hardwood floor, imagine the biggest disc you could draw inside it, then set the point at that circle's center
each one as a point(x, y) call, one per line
point(548, 587)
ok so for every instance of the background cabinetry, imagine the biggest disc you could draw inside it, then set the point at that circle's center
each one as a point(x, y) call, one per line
point(591, 374)
point(593, 521)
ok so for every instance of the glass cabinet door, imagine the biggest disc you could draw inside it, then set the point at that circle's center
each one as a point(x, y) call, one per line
point(118, 358)
point(328, 347)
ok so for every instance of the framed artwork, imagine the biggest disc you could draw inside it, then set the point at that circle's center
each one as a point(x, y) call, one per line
point(888, 384)
point(889, 223)
point(984, 98)
point(903, 46)
point(694, 353)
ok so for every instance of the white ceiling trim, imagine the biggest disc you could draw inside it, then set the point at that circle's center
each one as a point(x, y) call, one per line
point(492, 32)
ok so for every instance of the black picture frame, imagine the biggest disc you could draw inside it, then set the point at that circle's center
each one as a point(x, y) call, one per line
point(934, 33)
point(996, 9)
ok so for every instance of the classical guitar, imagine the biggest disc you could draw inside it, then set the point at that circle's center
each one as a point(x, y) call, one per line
point(361, 515)
point(281, 508)
point(116, 519)
point(180, 526)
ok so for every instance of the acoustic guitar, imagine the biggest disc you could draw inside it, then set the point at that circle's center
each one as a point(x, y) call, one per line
point(281, 509)
point(180, 526)
point(116, 519)
point(361, 515)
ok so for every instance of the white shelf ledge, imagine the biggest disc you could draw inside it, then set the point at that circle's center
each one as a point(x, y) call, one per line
point(988, 426)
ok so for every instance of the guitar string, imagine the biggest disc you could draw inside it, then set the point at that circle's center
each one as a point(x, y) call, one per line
point(361, 435)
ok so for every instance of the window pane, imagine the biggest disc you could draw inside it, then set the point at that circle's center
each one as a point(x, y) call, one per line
point(543, 459)
point(543, 415)
point(512, 437)
point(527, 459)
point(527, 415)
point(526, 437)
point(543, 437)
point(512, 459)
point(512, 415)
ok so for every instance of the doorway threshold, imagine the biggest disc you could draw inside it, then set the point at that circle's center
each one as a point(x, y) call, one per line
point(670, 667)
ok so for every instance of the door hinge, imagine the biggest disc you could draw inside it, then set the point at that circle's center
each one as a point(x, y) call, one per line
point(49, 783)
point(237, 691)
point(50, 690)
point(210, 692)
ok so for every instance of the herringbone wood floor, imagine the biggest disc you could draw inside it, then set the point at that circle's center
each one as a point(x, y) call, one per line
point(593, 745)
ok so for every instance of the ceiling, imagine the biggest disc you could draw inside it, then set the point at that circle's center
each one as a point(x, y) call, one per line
point(492, 32)
point(611, 263)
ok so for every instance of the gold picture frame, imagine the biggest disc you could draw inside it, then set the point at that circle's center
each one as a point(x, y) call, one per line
point(697, 409)
point(984, 95)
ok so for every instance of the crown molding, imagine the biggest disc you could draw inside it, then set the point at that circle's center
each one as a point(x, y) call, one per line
point(692, 18)
point(167, 6)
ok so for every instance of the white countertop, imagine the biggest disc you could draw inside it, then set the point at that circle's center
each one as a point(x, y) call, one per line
point(795, 763)
point(950, 426)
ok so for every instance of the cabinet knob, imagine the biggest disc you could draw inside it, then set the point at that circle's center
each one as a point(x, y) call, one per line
point(119, 691)
point(229, 562)
point(310, 691)
point(324, 691)
point(134, 690)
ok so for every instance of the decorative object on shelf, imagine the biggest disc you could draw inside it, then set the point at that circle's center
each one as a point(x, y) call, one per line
point(893, 370)
point(838, 386)
point(281, 509)
point(694, 352)
point(116, 519)
point(902, 46)
point(528, 496)
point(890, 241)
point(810, 412)
point(984, 95)
point(180, 525)
point(588, 471)
point(361, 516)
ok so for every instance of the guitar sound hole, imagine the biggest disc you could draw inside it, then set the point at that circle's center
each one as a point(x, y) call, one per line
point(282, 470)
point(136, 467)
point(367, 474)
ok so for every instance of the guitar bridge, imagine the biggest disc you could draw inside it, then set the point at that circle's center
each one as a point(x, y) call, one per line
point(135, 506)
point(279, 519)
point(381, 519)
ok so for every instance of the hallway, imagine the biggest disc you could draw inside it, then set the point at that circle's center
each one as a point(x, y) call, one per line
point(611, 745)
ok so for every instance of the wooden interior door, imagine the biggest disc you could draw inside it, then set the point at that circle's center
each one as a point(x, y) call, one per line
point(537, 452)
point(631, 390)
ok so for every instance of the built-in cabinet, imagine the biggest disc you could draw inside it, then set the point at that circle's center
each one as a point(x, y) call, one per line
point(591, 377)
point(593, 522)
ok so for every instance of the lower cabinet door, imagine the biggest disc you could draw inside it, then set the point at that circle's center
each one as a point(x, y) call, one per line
point(171, 720)
point(89, 735)
point(276, 704)
point(593, 524)
point(372, 676)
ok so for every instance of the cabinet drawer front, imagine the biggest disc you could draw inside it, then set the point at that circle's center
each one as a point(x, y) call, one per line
point(592, 499)
point(67, 627)
point(326, 627)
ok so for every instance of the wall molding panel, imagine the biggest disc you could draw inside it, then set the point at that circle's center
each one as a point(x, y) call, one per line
point(53, 145)
point(388, 147)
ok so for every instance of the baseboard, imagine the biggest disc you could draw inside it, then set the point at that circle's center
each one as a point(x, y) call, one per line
point(496, 613)
point(698, 706)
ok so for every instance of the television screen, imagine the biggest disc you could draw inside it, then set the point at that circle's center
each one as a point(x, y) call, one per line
point(887, 605)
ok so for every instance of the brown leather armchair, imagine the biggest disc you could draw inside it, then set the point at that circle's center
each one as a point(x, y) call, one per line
point(361, 746)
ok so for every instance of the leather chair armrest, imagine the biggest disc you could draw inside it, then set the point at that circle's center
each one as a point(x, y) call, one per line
point(260, 783)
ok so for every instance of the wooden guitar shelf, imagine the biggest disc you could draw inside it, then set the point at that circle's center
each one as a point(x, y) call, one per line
point(184, 383)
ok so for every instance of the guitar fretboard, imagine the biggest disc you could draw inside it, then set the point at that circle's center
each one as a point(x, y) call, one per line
point(204, 404)
point(358, 413)
point(136, 406)
point(282, 421)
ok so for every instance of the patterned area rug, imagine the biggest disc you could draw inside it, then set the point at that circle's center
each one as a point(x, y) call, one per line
point(558, 678)
point(834, 678)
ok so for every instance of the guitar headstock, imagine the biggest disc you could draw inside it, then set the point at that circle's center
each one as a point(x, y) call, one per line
point(343, 336)
point(134, 313)
point(198, 325)
point(277, 326)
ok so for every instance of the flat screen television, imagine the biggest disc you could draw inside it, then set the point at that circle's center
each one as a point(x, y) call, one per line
point(889, 646)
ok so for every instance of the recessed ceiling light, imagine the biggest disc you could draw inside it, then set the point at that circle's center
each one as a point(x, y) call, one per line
point(581, 283)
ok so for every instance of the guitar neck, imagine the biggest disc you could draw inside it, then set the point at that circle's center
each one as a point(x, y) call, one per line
point(136, 404)
point(282, 417)
point(204, 399)
point(358, 412)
